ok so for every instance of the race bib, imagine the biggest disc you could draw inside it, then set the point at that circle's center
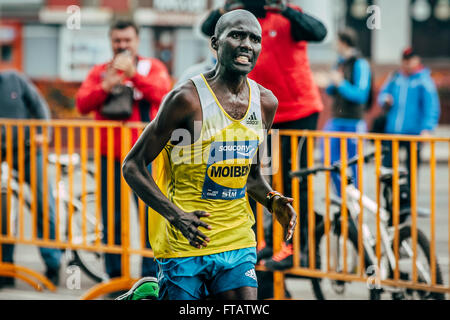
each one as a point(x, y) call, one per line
point(227, 169)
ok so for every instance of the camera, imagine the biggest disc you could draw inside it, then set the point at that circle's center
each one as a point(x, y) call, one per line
point(252, 3)
point(260, 2)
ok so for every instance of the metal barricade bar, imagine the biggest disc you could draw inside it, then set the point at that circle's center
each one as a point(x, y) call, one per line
point(90, 136)
point(380, 213)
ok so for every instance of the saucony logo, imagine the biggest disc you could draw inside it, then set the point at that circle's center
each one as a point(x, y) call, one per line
point(237, 148)
point(246, 154)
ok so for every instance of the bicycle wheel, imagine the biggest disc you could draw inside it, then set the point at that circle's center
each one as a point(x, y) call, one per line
point(90, 261)
point(423, 263)
point(324, 288)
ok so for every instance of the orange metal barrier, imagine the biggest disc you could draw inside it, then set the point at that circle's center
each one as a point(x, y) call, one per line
point(69, 137)
point(83, 227)
point(438, 282)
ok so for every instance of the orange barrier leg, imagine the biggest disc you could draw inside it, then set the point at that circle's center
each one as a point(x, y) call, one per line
point(35, 285)
point(27, 275)
point(113, 285)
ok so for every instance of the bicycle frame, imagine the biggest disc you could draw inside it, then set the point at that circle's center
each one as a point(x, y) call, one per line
point(369, 205)
point(9, 176)
point(353, 205)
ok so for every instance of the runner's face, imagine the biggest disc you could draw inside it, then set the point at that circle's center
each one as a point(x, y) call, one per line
point(239, 46)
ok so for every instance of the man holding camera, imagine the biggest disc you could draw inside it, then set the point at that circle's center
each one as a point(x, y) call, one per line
point(127, 79)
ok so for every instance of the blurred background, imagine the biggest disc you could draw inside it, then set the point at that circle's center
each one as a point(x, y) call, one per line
point(39, 38)
point(56, 43)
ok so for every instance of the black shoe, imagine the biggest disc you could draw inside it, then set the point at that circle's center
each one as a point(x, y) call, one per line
point(285, 259)
point(115, 294)
point(282, 260)
point(53, 276)
point(264, 253)
point(7, 282)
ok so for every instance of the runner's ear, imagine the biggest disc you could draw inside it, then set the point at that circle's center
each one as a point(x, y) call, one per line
point(214, 43)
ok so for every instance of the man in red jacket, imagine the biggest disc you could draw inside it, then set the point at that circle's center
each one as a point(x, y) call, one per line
point(150, 81)
point(283, 67)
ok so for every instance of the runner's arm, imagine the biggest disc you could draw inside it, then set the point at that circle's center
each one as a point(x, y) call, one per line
point(258, 187)
point(176, 111)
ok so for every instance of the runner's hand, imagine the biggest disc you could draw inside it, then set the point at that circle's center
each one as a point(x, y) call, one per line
point(188, 224)
point(285, 214)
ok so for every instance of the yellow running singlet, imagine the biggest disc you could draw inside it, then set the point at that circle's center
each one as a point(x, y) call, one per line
point(210, 175)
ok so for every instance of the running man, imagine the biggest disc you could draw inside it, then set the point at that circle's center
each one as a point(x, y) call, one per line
point(201, 230)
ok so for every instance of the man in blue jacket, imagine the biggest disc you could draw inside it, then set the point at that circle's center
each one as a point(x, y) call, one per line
point(411, 103)
point(351, 85)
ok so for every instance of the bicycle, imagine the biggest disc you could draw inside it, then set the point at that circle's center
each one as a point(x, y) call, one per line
point(387, 261)
point(90, 262)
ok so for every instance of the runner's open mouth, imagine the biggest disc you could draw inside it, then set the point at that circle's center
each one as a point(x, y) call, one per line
point(242, 59)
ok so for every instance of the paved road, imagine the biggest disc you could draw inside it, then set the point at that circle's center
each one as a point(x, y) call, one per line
point(299, 288)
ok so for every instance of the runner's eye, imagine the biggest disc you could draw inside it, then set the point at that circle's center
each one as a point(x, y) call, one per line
point(235, 35)
point(255, 39)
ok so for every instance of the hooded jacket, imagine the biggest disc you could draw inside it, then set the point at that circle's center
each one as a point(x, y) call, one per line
point(416, 102)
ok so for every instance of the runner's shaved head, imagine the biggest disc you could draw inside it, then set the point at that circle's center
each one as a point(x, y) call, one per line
point(232, 17)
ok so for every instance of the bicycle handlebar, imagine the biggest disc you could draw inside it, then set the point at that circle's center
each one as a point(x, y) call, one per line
point(64, 160)
point(307, 172)
point(336, 167)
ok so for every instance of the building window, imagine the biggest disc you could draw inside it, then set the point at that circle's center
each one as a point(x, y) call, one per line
point(11, 46)
point(431, 17)
point(6, 53)
point(356, 18)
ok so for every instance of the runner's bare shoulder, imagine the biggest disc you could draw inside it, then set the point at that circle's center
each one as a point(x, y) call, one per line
point(269, 105)
point(182, 102)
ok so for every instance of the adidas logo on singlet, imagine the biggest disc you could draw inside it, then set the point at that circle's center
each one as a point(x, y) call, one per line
point(252, 120)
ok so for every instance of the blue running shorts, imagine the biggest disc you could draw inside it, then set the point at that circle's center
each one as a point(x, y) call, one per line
point(195, 278)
